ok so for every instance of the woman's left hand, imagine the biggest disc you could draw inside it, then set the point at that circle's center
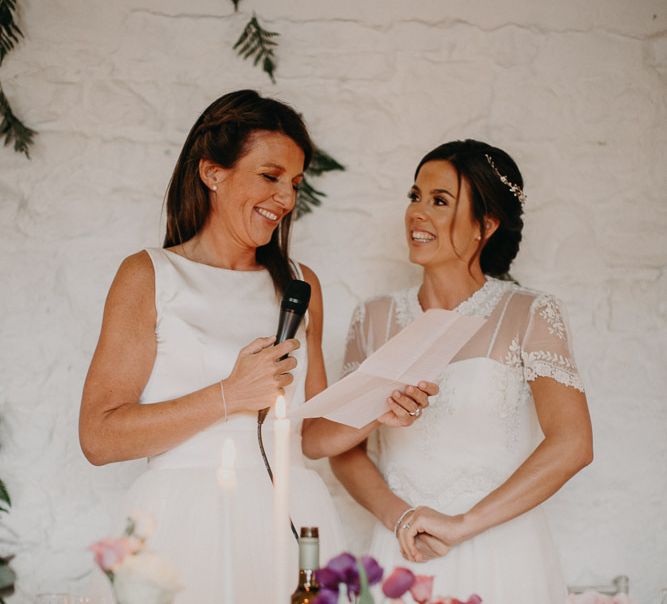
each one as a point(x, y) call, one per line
point(448, 531)
point(407, 406)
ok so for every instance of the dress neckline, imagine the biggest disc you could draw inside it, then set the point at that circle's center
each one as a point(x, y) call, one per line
point(480, 303)
point(185, 259)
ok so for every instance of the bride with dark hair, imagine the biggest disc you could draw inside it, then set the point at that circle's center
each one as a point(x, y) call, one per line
point(458, 494)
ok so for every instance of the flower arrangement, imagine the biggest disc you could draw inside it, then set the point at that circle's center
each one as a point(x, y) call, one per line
point(346, 578)
point(137, 575)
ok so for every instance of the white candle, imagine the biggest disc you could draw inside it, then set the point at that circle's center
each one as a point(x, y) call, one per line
point(281, 519)
point(227, 482)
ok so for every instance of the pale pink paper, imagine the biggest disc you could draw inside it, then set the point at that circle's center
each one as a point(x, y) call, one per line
point(420, 352)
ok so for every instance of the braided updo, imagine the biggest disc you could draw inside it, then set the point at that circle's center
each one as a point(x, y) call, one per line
point(490, 197)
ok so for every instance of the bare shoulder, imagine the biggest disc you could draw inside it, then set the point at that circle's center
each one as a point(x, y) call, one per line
point(137, 270)
point(135, 279)
point(131, 297)
point(315, 308)
point(309, 276)
point(316, 289)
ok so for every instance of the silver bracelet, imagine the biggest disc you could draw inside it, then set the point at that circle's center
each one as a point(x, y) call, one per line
point(224, 401)
point(400, 519)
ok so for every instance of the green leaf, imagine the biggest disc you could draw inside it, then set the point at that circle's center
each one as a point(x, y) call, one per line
point(323, 162)
point(236, 5)
point(257, 43)
point(13, 129)
point(309, 197)
point(4, 497)
point(9, 31)
point(7, 577)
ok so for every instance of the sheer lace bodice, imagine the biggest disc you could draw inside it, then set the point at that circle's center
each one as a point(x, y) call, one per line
point(475, 434)
point(483, 423)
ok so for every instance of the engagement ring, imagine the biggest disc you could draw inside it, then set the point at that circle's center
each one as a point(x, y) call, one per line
point(415, 413)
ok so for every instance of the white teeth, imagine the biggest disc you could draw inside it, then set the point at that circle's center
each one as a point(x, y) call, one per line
point(267, 214)
point(422, 236)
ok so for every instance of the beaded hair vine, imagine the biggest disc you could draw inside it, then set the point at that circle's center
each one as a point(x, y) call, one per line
point(514, 188)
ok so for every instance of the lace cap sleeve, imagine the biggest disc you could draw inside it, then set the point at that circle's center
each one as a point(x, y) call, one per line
point(355, 344)
point(546, 350)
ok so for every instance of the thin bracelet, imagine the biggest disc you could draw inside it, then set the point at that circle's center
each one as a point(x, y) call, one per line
point(400, 519)
point(224, 401)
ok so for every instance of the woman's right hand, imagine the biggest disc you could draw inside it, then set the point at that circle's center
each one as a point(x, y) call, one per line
point(259, 376)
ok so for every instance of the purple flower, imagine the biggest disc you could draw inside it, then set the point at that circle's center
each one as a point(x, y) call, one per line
point(326, 596)
point(398, 583)
point(345, 565)
point(374, 571)
point(328, 578)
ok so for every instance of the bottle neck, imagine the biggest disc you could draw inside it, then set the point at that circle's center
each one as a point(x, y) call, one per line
point(309, 553)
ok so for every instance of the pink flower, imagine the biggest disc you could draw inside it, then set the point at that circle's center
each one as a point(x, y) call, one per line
point(422, 588)
point(109, 553)
point(398, 583)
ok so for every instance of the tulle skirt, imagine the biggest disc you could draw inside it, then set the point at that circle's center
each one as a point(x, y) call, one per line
point(189, 507)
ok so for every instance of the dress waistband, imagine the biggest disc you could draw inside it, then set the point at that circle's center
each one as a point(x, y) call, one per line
point(205, 450)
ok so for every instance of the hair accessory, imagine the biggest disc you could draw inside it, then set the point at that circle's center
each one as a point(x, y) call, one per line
point(515, 189)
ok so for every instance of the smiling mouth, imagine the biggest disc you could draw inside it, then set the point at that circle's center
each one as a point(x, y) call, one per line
point(267, 214)
point(421, 236)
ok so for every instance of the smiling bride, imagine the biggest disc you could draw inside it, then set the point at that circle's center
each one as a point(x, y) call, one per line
point(458, 493)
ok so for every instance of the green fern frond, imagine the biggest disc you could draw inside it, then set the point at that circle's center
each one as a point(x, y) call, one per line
point(5, 500)
point(323, 162)
point(309, 197)
point(9, 31)
point(258, 42)
point(13, 129)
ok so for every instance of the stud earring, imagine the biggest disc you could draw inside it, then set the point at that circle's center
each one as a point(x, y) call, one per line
point(214, 188)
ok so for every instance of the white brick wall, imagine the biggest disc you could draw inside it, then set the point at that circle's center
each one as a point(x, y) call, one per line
point(575, 91)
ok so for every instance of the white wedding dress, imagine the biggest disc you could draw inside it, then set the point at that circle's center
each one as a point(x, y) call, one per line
point(475, 433)
point(205, 315)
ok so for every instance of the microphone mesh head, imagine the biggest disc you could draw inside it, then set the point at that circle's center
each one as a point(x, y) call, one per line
point(296, 296)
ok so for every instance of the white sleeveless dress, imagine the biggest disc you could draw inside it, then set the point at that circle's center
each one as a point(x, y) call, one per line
point(476, 432)
point(205, 315)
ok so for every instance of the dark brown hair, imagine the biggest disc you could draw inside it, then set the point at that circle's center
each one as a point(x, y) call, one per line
point(221, 134)
point(490, 197)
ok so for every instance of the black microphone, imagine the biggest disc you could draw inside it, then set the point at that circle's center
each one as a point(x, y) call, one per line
point(292, 309)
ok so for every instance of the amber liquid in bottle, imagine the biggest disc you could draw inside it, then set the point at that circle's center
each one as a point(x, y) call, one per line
point(309, 562)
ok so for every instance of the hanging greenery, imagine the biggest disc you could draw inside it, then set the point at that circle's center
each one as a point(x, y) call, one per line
point(257, 42)
point(11, 127)
point(7, 575)
point(309, 197)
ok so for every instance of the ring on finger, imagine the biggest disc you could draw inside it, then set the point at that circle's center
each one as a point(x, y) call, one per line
point(416, 413)
point(406, 526)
